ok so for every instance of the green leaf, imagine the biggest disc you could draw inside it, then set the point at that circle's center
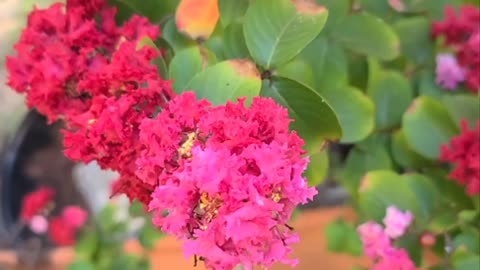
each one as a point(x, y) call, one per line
point(354, 109)
point(149, 235)
point(357, 70)
point(314, 119)
point(215, 42)
point(154, 10)
point(317, 169)
point(442, 223)
point(337, 10)
point(234, 42)
point(232, 11)
point(137, 209)
point(81, 265)
point(428, 87)
point(360, 161)
point(432, 9)
point(381, 189)
point(277, 30)
point(174, 38)
point(297, 70)
point(403, 153)
point(342, 237)
point(410, 242)
point(381, 9)
point(453, 193)
point(427, 196)
point(129, 261)
point(328, 61)
point(427, 125)
point(465, 260)
point(415, 39)
point(106, 217)
point(463, 106)
point(227, 80)
point(87, 245)
point(467, 240)
point(159, 61)
point(391, 94)
point(367, 34)
point(187, 63)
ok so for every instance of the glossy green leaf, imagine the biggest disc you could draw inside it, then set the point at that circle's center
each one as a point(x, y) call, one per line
point(357, 70)
point(392, 95)
point(277, 30)
point(442, 223)
point(81, 265)
point(355, 111)
point(411, 242)
point(360, 161)
point(297, 70)
point(433, 9)
point(159, 61)
point(381, 9)
point(215, 43)
point(187, 63)
point(465, 260)
point(232, 11)
point(427, 125)
point(87, 245)
point(149, 235)
point(342, 237)
point(463, 106)
point(154, 10)
point(328, 61)
point(367, 34)
point(415, 39)
point(381, 189)
point(454, 194)
point(227, 80)
point(337, 10)
point(428, 87)
point(174, 38)
point(427, 196)
point(317, 169)
point(314, 119)
point(137, 209)
point(468, 240)
point(234, 42)
point(403, 153)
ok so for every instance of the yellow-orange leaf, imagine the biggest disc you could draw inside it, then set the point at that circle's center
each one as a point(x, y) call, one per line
point(197, 18)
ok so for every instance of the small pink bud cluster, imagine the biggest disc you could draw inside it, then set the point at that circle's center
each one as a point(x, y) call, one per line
point(377, 241)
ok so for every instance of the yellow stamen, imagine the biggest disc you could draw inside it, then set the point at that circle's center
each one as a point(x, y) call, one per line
point(186, 149)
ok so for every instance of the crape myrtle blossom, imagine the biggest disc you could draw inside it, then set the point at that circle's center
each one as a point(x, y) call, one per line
point(36, 202)
point(462, 34)
point(74, 63)
point(463, 152)
point(378, 241)
point(396, 222)
point(229, 178)
point(449, 73)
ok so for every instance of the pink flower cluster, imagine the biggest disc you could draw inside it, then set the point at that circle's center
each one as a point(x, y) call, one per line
point(463, 152)
point(377, 241)
point(449, 72)
point(229, 178)
point(462, 34)
point(62, 230)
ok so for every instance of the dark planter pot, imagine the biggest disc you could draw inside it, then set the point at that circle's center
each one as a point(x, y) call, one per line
point(33, 157)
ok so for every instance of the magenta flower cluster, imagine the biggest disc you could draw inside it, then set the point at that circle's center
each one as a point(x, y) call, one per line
point(377, 241)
